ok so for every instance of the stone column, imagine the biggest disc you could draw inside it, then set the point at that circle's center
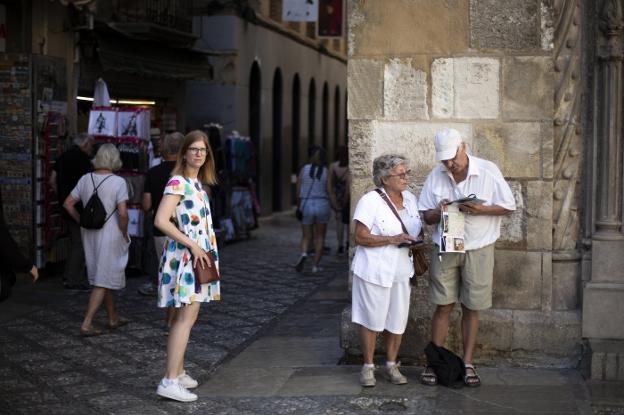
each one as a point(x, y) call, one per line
point(609, 154)
point(603, 295)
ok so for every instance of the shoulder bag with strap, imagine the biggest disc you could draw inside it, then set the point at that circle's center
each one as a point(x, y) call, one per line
point(209, 274)
point(418, 255)
point(299, 212)
point(94, 215)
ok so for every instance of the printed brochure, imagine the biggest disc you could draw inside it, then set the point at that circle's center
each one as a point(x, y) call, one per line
point(451, 229)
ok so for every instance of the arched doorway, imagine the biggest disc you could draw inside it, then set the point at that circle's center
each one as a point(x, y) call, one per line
point(312, 113)
point(277, 140)
point(255, 102)
point(325, 120)
point(296, 131)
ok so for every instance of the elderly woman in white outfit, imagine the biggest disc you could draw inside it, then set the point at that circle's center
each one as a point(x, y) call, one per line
point(382, 265)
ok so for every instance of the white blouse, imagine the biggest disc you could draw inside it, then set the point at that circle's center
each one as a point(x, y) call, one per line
point(386, 264)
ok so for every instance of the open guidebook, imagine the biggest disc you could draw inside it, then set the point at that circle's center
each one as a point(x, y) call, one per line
point(452, 225)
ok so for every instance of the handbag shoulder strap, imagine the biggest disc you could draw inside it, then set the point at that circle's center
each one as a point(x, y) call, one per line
point(305, 200)
point(392, 208)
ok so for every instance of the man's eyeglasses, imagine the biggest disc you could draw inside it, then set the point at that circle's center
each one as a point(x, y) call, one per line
point(198, 150)
point(401, 176)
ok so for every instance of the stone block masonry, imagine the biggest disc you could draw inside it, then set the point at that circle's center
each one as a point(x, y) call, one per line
point(485, 68)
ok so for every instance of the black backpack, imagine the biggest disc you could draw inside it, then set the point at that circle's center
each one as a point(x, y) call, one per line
point(448, 367)
point(93, 215)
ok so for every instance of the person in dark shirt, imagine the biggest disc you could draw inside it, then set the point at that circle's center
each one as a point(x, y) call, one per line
point(11, 258)
point(68, 169)
point(155, 182)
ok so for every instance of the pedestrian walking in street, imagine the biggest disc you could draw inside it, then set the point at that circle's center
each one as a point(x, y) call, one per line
point(155, 181)
point(11, 258)
point(464, 277)
point(313, 202)
point(106, 249)
point(339, 184)
point(68, 169)
point(382, 265)
point(189, 242)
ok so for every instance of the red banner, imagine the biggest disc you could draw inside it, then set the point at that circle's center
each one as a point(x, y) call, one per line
point(330, 18)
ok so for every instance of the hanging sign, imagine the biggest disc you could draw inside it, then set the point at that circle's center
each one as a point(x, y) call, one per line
point(330, 18)
point(299, 10)
point(133, 124)
point(103, 122)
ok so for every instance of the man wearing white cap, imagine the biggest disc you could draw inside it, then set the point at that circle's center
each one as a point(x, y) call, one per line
point(466, 278)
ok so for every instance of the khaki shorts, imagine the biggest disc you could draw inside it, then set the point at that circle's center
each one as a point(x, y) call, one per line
point(462, 277)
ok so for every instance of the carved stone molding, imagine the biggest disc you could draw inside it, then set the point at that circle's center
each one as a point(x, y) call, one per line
point(567, 132)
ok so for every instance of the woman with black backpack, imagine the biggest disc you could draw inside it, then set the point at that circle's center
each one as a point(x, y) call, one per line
point(104, 232)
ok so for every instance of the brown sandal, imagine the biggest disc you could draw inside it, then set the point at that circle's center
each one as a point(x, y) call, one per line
point(428, 377)
point(90, 332)
point(120, 322)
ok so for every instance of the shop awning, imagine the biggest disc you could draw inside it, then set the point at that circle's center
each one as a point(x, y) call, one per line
point(150, 59)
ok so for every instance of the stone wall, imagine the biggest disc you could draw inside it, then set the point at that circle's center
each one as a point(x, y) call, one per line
point(502, 73)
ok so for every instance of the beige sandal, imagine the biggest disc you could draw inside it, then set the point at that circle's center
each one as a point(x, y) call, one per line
point(472, 380)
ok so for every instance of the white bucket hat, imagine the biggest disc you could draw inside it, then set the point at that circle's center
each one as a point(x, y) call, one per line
point(447, 142)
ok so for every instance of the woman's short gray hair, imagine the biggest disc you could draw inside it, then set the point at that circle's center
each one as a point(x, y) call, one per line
point(107, 157)
point(382, 166)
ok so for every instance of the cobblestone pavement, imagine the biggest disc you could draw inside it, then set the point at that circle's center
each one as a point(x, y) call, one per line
point(271, 346)
point(46, 367)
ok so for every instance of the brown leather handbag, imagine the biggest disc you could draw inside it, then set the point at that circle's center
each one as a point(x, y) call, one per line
point(417, 253)
point(206, 274)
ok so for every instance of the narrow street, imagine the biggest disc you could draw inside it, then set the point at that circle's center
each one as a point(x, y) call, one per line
point(46, 366)
point(271, 346)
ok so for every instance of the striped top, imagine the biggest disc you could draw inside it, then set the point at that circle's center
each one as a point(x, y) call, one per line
point(313, 188)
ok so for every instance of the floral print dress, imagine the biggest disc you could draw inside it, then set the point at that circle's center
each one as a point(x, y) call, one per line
point(176, 281)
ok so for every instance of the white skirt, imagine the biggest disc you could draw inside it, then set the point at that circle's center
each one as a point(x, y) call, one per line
point(380, 308)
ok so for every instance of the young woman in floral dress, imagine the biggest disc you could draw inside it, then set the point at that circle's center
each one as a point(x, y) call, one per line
point(184, 216)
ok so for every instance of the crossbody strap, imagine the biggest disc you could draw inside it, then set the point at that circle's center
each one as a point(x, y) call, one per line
point(392, 208)
point(309, 191)
point(95, 189)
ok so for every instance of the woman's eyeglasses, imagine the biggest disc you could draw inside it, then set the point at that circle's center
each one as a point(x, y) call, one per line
point(401, 176)
point(198, 150)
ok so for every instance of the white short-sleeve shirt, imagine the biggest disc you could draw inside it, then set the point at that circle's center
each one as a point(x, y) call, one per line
point(486, 182)
point(384, 265)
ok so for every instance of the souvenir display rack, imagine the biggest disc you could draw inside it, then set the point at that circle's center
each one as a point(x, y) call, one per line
point(129, 129)
point(51, 242)
point(235, 207)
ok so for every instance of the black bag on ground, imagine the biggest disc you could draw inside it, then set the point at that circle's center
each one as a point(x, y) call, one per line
point(94, 215)
point(448, 367)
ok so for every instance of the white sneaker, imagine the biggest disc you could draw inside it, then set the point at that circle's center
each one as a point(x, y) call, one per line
point(300, 263)
point(188, 382)
point(316, 269)
point(175, 391)
point(367, 376)
point(394, 375)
